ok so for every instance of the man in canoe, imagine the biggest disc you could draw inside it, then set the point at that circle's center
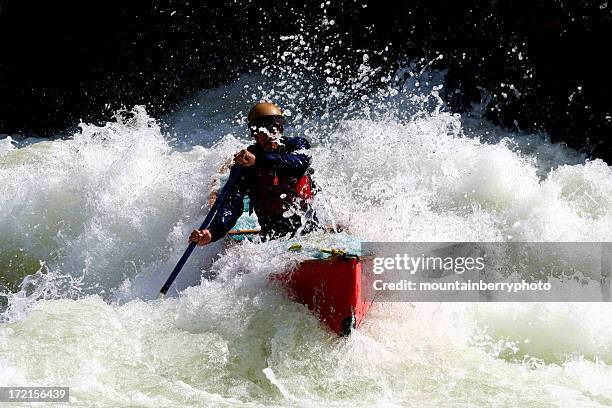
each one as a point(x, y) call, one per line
point(276, 177)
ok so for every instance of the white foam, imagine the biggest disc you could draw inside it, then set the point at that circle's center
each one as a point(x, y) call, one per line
point(109, 210)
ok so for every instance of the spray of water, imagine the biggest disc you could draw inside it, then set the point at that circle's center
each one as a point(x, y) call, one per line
point(91, 226)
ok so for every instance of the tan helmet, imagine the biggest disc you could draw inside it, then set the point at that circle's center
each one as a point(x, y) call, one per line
point(264, 109)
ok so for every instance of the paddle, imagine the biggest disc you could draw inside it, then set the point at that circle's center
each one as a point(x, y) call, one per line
point(233, 177)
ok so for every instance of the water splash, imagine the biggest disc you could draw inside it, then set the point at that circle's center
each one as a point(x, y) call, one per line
point(108, 212)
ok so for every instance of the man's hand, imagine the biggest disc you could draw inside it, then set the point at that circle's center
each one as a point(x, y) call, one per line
point(200, 237)
point(244, 158)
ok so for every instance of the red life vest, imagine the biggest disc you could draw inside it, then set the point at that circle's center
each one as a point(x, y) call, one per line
point(303, 188)
point(277, 192)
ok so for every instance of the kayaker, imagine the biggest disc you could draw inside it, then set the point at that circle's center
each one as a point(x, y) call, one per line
point(276, 178)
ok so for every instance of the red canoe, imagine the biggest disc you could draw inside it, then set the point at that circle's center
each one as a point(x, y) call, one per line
point(332, 288)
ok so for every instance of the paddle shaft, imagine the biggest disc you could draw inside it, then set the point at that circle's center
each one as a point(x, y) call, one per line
point(234, 174)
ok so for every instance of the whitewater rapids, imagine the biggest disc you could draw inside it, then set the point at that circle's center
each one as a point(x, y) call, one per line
point(91, 226)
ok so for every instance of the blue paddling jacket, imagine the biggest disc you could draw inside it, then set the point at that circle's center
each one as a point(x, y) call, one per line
point(279, 188)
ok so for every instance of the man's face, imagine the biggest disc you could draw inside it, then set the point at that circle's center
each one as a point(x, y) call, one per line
point(267, 137)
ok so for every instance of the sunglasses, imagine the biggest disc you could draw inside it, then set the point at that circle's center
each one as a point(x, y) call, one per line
point(272, 124)
point(270, 128)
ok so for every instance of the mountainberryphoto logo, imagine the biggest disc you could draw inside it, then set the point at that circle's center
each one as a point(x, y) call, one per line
point(493, 272)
